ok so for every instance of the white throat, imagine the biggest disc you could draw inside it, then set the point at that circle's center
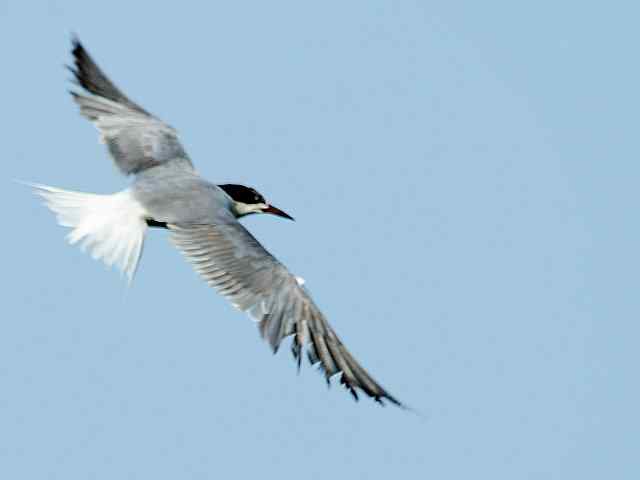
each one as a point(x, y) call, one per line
point(240, 209)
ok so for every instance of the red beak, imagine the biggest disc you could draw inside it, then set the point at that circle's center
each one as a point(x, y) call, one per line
point(276, 211)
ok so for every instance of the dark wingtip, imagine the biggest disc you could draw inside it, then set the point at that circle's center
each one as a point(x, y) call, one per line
point(92, 79)
point(393, 400)
point(74, 37)
point(377, 393)
point(354, 394)
point(76, 76)
point(80, 57)
point(77, 49)
point(76, 45)
point(296, 351)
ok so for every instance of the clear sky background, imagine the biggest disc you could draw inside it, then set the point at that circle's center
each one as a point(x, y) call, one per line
point(464, 177)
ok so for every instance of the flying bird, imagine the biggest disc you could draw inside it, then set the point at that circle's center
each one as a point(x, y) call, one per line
point(202, 219)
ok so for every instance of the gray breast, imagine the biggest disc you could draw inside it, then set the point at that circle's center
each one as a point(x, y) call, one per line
point(179, 196)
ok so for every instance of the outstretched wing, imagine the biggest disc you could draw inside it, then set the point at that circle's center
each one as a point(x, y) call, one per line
point(230, 259)
point(136, 139)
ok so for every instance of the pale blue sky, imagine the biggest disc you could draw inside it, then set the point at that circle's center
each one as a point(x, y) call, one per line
point(464, 177)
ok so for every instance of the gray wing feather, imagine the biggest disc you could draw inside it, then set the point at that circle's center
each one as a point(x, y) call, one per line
point(92, 78)
point(231, 260)
point(136, 140)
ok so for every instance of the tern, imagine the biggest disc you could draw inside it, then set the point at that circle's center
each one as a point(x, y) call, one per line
point(202, 219)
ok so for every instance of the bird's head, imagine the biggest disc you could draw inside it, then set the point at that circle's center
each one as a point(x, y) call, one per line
point(246, 200)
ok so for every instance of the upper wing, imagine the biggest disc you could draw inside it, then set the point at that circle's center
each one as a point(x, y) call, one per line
point(136, 139)
point(230, 259)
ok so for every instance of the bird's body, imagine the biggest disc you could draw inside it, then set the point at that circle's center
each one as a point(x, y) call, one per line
point(202, 219)
point(172, 195)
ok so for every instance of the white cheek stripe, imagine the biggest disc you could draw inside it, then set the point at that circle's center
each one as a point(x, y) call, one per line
point(244, 208)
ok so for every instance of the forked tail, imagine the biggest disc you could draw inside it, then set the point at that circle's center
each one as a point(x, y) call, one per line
point(110, 227)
